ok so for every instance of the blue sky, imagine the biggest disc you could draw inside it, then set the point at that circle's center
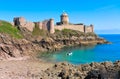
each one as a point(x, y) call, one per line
point(103, 14)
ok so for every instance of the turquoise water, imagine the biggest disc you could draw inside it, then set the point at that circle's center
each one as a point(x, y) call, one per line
point(88, 54)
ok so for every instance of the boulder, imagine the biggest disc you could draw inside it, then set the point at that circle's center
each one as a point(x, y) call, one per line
point(107, 64)
point(94, 74)
point(94, 64)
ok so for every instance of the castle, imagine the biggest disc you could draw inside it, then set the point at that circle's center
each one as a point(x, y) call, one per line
point(50, 26)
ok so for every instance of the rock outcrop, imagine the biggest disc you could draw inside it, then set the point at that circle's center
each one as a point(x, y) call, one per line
point(104, 70)
point(14, 48)
point(55, 43)
point(11, 47)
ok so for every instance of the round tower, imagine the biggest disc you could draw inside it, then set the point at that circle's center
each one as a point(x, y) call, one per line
point(64, 18)
point(52, 30)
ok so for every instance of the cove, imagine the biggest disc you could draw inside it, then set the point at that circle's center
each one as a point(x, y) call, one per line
point(88, 54)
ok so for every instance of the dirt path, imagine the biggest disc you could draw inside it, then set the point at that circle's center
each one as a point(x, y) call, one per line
point(22, 69)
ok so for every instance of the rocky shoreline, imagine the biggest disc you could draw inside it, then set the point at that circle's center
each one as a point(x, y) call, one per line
point(15, 48)
point(11, 48)
point(37, 69)
point(51, 44)
point(23, 52)
point(104, 70)
point(19, 47)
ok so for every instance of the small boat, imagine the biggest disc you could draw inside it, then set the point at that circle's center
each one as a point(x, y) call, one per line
point(69, 53)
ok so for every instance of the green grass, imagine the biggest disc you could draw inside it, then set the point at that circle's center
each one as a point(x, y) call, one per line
point(70, 32)
point(6, 27)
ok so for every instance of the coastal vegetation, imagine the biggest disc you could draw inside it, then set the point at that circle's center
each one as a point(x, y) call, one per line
point(6, 27)
point(69, 33)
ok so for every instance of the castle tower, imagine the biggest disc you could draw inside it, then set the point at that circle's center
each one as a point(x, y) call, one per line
point(92, 28)
point(64, 18)
point(39, 24)
point(19, 21)
point(84, 28)
point(52, 30)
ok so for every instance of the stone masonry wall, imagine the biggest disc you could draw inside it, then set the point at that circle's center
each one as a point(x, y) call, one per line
point(81, 28)
point(21, 22)
point(73, 27)
point(49, 25)
point(88, 29)
point(45, 25)
point(29, 25)
point(39, 24)
point(51, 30)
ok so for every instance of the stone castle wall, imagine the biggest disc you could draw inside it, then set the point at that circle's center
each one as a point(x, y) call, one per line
point(88, 29)
point(29, 25)
point(49, 25)
point(40, 25)
point(81, 28)
point(45, 25)
point(21, 22)
point(73, 27)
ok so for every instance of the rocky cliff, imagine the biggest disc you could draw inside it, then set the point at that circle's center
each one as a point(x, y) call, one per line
point(16, 43)
point(69, 37)
point(15, 48)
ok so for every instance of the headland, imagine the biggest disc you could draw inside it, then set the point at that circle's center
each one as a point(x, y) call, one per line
point(21, 41)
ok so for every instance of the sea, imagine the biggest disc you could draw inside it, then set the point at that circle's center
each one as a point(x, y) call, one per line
point(88, 54)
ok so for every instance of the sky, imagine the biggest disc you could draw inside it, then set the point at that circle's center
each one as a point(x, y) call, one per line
point(103, 14)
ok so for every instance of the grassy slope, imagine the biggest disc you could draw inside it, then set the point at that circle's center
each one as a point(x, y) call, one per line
point(6, 27)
